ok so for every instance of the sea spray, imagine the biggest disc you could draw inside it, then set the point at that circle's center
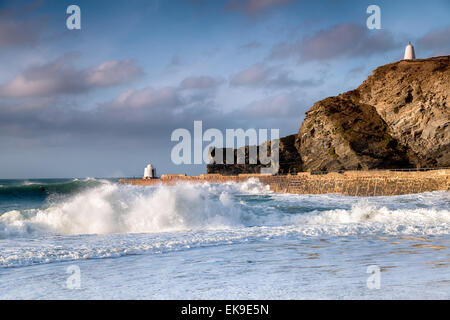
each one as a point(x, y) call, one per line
point(110, 208)
point(112, 220)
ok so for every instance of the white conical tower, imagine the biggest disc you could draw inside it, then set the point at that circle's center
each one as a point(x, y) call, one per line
point(149, 172)
point(409, 52)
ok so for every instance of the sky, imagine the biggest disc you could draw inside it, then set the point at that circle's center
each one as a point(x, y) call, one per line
point(104, 100)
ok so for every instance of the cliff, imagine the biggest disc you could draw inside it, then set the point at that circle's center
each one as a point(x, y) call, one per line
point(413, 98)
point(342, 134)
point(398, 118)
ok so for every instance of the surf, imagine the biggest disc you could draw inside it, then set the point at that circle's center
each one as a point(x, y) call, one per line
point(109, 208)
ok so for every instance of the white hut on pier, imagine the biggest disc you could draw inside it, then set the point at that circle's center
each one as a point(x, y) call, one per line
point(149, 172)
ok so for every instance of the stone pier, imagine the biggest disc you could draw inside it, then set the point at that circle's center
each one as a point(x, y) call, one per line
point(351, 183)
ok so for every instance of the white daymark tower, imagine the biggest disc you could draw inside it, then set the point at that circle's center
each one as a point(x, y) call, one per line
point(409, 52)
point(149, 172)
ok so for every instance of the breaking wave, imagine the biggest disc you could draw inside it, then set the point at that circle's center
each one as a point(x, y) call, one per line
point(34, 189)
point(109, 208)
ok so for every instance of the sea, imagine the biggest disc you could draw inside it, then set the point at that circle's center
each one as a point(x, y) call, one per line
point(97, 239)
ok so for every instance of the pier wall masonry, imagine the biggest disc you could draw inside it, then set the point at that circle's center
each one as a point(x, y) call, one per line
point(351, 183)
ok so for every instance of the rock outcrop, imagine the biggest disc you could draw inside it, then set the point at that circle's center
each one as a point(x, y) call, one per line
point(398, 118)
point(340, 133)
point(413, 97)
point(289, 159)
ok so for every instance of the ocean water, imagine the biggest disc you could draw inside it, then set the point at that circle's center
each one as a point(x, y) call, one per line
point(96, 239)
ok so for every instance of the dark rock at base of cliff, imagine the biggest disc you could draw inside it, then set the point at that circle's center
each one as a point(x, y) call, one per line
point(289, 159)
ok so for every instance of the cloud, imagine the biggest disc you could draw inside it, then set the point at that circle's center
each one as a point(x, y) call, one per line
point(59, 77)
point(255, 75)
point(342, 40)
point(20, 33)
point(141, 115)
point(137, 123)
point(252, 7)
point(18, 29)
point(251, 45)
point(113, 72)
point(436, 39)
point(259, 75)
point(284, 80)
point(166, 97)
point(279, 106)
point(284, 50)
point(246, 7)
point(356, 70)
point(174, 63)
point(200, 82)
point(147, 98)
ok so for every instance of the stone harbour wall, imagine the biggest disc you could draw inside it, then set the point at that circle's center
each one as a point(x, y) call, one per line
point(351, 183)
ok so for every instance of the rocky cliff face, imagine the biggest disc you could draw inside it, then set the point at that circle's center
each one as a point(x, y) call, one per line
point(398, 118)
point(342, 134)
point(413, 97)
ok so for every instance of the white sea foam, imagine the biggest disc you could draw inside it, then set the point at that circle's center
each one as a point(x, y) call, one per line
point(176, 237)
point(136, 220)
point(29, 183)
point(111, 208)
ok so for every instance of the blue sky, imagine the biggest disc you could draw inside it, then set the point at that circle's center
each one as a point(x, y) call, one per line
point(102, 101)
